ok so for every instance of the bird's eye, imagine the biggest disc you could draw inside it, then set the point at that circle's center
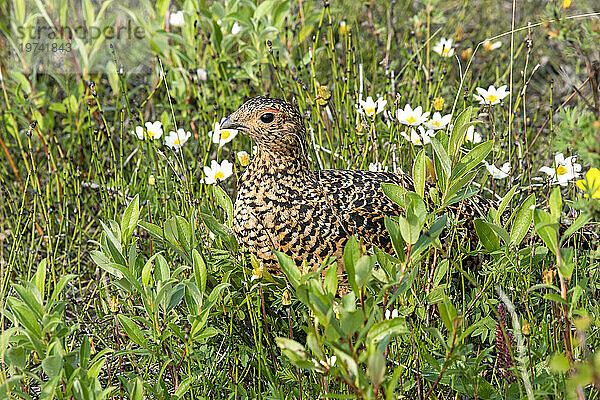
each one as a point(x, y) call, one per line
point(267, 118)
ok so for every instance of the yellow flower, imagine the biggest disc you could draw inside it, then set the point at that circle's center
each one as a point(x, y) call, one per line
point(567, 3)
point(591, 183)
point(243, 158)
point(438, 103)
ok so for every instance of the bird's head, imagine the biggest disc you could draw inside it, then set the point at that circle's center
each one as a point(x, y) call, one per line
point(273, 123)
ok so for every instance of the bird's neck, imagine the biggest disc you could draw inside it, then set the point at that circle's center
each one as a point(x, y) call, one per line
point(289, 162)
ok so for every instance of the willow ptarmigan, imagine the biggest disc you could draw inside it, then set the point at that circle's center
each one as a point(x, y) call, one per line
point(285, 205)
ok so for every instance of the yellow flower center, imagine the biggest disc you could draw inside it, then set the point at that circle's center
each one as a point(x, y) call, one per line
point(176, 142)
point(491, 98)
point(561, 170)
point(225, 134)
point(411, 120)
point(219, 175)
point(445, 51)
point(436, 123)
point(488, 45)
point(370, 111)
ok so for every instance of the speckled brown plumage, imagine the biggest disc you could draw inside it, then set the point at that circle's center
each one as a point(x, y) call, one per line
point(282, 204)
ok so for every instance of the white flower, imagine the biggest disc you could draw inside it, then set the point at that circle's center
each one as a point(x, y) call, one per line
point(444, 47)
point(438, 122)
point(377, 167)
point(176, 19)
point(411, 117)
point(217, 172)
point(139, 132)
point(202, 74)
point(492, 95)
point(564, 169)
point(177, 139)
point(472, 136)
point(153, 130)
point(498, 173)
point(418, 138)
point(243, 157)
point(390, 315)
point(257, 272)
point(236, 28)
point(488, 45)
point(222, 136)
point(371, 108)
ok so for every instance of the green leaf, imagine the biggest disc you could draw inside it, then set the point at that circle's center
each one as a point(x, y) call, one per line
point(16, 357)
point(547, 228)
point(555, 203)
point(503, 204)
point(472, 159)
point(387, 328)
point(376, 367)
point(289, 267)
point(130, 218)
point(224, 201)
point(84, 352)
point(396, 237)
point(419, 173)
point(442, 158)
point(52, 365)
point(448, 314)
point(395, 193)
point(522, 221)
point(331, 280)
point(200, 273)
point(363, 270)
point(132, 330)
point(39, 279)
point(581, 220)
point(179, 233)
point(146, 271)
point(459, 130)
point(351, 256)
point(137, 391)
point(183, 388)
point(486, 235)
point(60, 286)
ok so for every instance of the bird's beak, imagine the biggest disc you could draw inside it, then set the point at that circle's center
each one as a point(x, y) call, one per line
point(230, 124)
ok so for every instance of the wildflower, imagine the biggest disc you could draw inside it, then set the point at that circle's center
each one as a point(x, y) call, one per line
point(222, 136)
point(236, 28)
point(444, 47)
point(177, 139)
point(567, 3)
point(411, 117)
point(418, 138)
point(563, 170)
point(391, 314)
point(466, 53)
point(202, 74)
point(488, 45)
point(139, 132)
point(438, 122)
point(472, 136)
point(243, 157)
point(438, 103)
point(498, 173)
point(591, 183)
point(344, 28)
point(492, 95)
point(375, 167)
point(176, 19)
point(217, 172)
point(371, 108)
point(151, 180)
point(257, 272)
